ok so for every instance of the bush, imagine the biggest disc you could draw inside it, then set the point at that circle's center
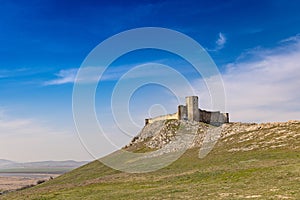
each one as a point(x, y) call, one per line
point(40, 182)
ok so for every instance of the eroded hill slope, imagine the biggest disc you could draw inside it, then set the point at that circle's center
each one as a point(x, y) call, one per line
point(248, 161)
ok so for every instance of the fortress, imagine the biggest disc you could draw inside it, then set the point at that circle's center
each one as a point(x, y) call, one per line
point(191, 112)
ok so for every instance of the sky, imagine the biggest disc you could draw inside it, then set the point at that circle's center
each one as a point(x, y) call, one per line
point(254, 44)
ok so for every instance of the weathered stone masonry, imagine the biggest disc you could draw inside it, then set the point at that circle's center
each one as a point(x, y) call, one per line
point(191, 112)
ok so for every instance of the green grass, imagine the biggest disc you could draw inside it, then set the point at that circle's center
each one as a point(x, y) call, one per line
point(268, 174)
point(257, 174)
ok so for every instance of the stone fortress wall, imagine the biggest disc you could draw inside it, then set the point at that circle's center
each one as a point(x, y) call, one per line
point(163, 117)
point(191, 112)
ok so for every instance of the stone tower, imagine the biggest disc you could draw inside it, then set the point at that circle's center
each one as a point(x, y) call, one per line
point(192, 108)
point(182, 112)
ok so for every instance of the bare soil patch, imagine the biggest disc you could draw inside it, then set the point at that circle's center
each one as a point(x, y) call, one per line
point(16, 182)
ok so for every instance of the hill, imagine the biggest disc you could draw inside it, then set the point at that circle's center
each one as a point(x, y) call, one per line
point(248, 161)
point(4, 163)
point(7, 166)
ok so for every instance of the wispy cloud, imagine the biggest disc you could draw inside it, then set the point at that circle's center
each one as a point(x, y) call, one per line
point(87, 75)
point(91, 74)
point(4, 73)
point(221, 41)
point(294, 38)
point(63, 77)
point(264, 85)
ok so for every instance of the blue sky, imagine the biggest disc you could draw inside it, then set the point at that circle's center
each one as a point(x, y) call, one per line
point(255, 44)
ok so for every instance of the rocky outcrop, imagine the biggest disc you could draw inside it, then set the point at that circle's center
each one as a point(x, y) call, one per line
point(249, 136)
point(172, 135)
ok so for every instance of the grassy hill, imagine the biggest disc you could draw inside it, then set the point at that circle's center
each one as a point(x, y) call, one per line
point(250, 161)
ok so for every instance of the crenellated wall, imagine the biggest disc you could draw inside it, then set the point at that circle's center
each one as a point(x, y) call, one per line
point(191, 112)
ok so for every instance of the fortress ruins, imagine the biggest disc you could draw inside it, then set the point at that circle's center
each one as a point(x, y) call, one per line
point(191, 112)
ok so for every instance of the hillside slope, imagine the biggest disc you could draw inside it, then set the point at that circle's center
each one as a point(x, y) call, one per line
point(249, 161)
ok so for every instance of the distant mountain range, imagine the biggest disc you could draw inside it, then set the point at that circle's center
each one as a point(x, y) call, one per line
point(8, 165)
point(4, 163)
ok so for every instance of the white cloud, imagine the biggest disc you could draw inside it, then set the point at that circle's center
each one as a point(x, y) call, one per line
point(265, 85)
point(63, 77)
point(30, 140)
point(221, 41)
point(87, 75)
point(91, 74)
point(16, 72)
point(294, 38)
